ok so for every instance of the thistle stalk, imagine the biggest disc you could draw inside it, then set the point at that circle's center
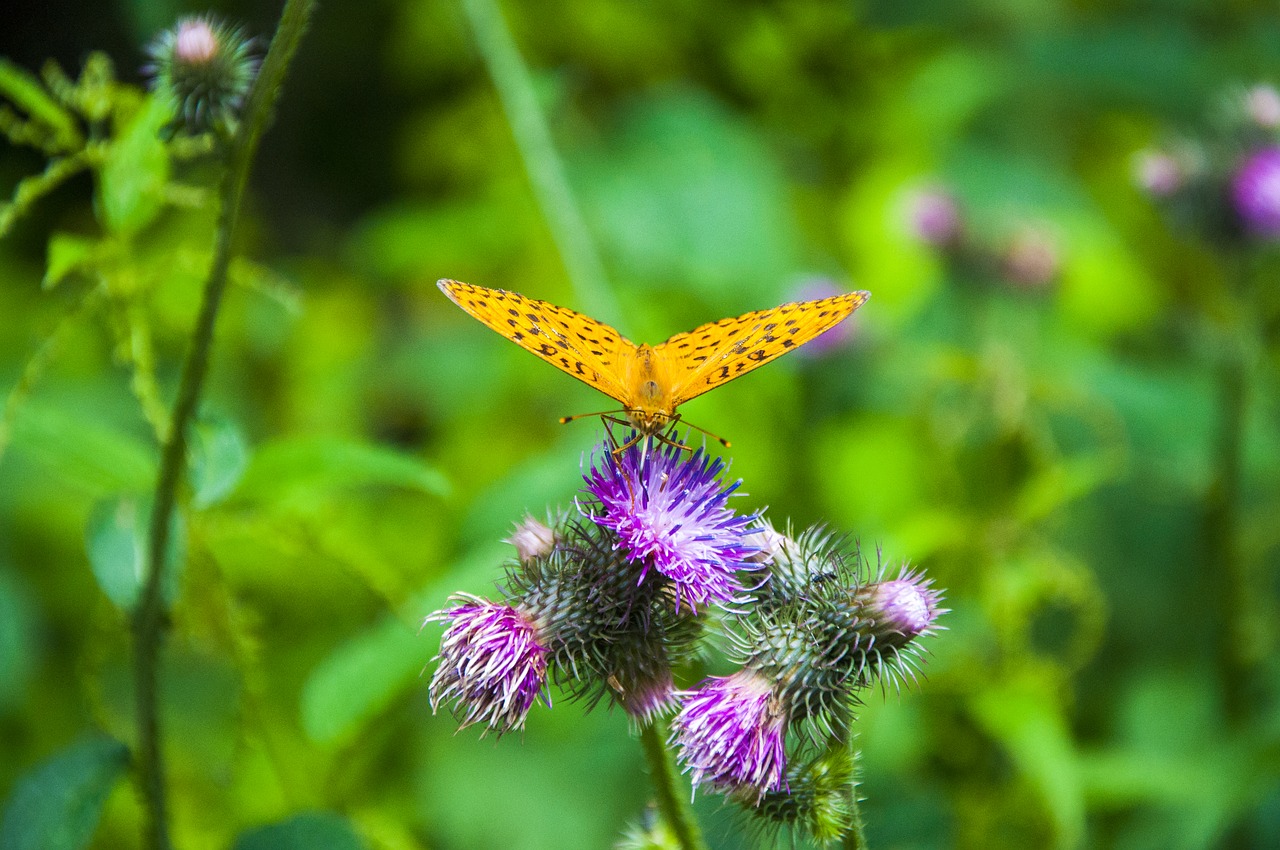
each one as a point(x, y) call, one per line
point(149, 619)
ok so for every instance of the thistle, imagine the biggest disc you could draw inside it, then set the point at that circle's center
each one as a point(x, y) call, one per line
point(205, 68)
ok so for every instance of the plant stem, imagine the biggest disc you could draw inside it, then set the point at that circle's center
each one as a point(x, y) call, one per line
point(1227, 570)
point(546, 170)
point(675, 811)
point(149, 619)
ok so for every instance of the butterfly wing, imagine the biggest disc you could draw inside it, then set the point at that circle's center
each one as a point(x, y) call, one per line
point(717, 352)
point(590, 351)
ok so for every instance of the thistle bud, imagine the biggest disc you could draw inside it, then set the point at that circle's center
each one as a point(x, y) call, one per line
point(205, 69)
point(1262, 105)
point(1255, 193)
point(1158, 173)
point(532, 539)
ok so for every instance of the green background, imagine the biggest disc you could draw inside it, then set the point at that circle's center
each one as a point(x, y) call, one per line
point(1048, 457)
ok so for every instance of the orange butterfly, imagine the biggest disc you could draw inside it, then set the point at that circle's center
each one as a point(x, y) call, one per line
point(650, 382)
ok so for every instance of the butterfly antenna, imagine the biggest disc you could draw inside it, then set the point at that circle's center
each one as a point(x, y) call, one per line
point(716, 437)
point(565, 420)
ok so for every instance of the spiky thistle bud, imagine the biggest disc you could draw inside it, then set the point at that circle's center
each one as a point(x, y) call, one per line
point(205, 68)
point(493, 663)
point(669, 513)
point(610, 632)
point(817, 797)
point(822, 631)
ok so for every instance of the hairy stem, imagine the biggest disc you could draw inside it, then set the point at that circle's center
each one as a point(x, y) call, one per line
point(149, 619)
point(671, 803)
point(546, 170)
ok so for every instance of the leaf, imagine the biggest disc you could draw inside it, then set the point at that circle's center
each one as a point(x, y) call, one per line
point(84, 448)
point(1024, 717)
point(131, 182)
point(56, 805)
point(219, 456)
point(21, 87)
point(311, 463)
point(684, 191)
point(116, 540)
point(308, 831)
point(67, 253)
point(18, 644)
point(364, 675)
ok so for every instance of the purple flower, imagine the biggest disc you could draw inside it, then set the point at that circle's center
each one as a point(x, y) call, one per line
point(669, 514)
point(934, 216)
point(731, 731)
point(1255, 189)
point(493, 664)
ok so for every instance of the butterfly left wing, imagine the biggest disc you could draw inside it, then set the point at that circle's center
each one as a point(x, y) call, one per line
point(590, 351)
point(717, 352)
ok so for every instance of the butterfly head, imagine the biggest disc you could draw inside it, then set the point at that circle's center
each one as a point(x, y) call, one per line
point(649, 421)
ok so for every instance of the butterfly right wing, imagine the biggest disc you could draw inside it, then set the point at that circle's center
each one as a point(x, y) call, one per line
point(590, 351)
point(717, 352)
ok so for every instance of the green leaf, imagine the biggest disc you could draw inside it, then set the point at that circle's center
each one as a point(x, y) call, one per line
point(67, 253)
point(308, 464)
point(365, 674)
point(308, 831)
point(688, 193)
point(84, 449)
point(131, 182)
point(116, 540)
point(219, 456)
point(18, 643)
point(21, 87)
point(56, 805)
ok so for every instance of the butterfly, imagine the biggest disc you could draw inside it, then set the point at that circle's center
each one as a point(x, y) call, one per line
point(650, 382)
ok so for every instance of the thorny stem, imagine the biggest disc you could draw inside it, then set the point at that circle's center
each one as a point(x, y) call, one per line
point(671, 803)
point(543, 163)
point(149, 619)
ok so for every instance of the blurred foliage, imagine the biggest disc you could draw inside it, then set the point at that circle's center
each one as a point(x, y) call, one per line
point(1047, 456)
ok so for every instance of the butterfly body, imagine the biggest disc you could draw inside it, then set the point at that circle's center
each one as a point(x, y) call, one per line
point(650, 382)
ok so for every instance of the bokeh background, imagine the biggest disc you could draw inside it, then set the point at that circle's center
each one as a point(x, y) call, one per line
point(1038, 406)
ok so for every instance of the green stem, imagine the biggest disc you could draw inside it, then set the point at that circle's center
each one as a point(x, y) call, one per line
point(546, 170)
point(149, 619)
point(855, 837)
point(671, 802)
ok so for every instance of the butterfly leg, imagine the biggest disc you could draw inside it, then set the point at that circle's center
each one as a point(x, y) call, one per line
point(668, 437)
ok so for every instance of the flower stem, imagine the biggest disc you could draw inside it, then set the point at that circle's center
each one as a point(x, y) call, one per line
point(1227, 570)
point(675, 811)
point(149, 619)
point(546, 170)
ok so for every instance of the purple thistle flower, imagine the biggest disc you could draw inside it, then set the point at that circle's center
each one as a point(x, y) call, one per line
point(731, 731)
point(1255, 189)
point(907, 605)
point(493, 664)
point(933, 216)
point(670, 513)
